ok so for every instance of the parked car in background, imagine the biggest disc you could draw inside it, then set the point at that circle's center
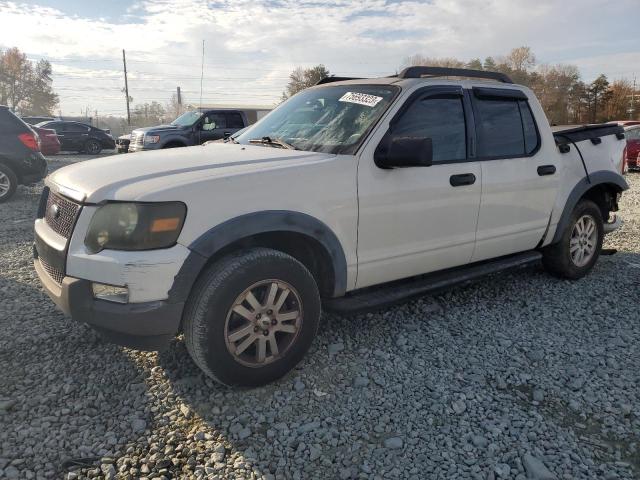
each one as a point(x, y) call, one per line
point(79, 137)
point(122, 143)
point(625, 123)
point(632, 149)
point(49, 143)
point(193, 128)
point(21, 162)
point(37, 120)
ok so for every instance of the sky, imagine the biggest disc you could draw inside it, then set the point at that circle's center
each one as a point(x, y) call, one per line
point(251, 46)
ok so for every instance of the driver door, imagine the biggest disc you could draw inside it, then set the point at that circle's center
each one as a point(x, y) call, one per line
point(212, 127)
point(416, 220)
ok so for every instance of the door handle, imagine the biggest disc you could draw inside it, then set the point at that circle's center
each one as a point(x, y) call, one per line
point(462, 179)
point(546, 170)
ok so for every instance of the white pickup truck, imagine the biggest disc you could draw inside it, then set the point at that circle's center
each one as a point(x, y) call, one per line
point(353, 194)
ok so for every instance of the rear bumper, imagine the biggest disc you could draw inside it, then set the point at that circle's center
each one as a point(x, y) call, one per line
point(144, 326)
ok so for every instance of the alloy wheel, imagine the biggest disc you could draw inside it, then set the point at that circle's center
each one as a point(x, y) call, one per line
point(5, 184)
point(263, 323)
point(584, 241)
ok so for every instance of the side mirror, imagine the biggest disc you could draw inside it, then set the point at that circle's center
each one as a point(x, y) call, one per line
point(400, 152)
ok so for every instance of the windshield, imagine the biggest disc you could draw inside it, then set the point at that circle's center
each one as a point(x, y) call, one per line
point(332, 119)
point(187, 119)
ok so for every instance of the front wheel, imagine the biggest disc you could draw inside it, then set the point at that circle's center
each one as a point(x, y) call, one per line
point(579, 247)
point(251, 317)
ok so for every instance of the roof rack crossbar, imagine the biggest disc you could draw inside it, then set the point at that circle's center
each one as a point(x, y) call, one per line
point(418, 72)
point(333, 78)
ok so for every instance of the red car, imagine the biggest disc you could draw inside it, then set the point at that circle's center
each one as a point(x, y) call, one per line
point(49, 143)
point(632, 150)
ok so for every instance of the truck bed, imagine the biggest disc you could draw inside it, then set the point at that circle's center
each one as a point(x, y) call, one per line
point(578, 133)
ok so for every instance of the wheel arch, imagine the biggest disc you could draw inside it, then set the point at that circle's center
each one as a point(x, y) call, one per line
point(601, 187)
point(173, 142)
point(302, 236)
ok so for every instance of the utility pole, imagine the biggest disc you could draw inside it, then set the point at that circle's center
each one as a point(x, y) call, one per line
point(126, 86)
point(179, 99)
point(633, 99)
point(201, 74)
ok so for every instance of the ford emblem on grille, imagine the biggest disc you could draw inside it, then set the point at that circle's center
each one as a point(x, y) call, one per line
point(54, 211)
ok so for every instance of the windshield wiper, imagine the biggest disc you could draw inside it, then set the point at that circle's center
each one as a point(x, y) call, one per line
point(275, 141)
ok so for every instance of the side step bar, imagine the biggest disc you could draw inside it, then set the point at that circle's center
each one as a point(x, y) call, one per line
point(379, 296)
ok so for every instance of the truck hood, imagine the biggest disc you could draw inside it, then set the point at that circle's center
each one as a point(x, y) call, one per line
point(137, 176)
point(158, 129)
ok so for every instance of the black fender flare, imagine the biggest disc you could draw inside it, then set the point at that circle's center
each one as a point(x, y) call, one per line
point(244, 226)
point(601, 177)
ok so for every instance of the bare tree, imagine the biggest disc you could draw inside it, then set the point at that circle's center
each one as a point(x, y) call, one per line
point(422, 60)
point(175, 109)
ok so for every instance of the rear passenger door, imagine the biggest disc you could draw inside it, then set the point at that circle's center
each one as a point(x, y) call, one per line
point(235, 122)
point(519, 182)
point(75, 136)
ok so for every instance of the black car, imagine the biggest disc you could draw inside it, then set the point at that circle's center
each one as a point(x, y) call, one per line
point(79, 137)
point(21, 162)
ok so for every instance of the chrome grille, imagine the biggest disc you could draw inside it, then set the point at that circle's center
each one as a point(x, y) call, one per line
point(54, 273)
point(60, 214)
point(137, 139)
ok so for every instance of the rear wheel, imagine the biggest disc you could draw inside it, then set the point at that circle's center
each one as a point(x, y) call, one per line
point(8, 183)
point(579, 247)
point(92, 147)
point(251, 317)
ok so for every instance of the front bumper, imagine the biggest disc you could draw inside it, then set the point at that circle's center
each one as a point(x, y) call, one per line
point(144, 326)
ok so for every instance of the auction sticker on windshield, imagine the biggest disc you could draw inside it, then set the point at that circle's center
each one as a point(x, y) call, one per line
point(361, 99)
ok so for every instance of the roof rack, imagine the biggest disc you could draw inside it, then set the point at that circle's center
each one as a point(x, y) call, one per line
point(418, 72)
point(333, 78)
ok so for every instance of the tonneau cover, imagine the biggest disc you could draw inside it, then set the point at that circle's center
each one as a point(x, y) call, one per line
point(578, 133)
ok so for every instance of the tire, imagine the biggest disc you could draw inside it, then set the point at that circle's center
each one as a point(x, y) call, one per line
point(173, 145)
point(8, 183)
point(92, 147)
point(558, 258)
point(215, 333)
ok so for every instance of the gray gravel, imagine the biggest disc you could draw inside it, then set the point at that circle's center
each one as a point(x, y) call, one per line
point(521, 376)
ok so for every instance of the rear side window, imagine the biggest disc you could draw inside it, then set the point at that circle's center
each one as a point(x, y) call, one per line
point(9, 123)
point(234, 120)
point(440, 118)
point(75, 128)
point(505, 128)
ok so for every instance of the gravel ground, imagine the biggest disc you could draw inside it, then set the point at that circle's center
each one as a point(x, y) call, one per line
point(520, 376)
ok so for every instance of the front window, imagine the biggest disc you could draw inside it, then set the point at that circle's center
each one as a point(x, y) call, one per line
point(187, 119)
point(332, 119)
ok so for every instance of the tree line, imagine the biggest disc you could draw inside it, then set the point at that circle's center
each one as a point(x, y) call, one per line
point(26, 87)
point(565, 97)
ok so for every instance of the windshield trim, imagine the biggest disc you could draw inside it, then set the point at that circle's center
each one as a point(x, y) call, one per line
point(354, 148)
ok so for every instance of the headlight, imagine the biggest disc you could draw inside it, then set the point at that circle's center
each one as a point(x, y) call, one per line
point(151, 138)
point(135, 226)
